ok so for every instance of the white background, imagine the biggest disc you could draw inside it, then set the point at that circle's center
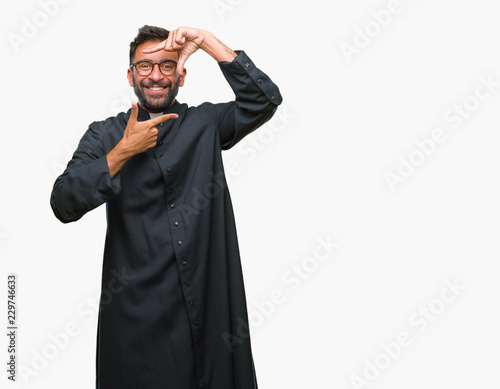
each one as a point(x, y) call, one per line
point(318, 171)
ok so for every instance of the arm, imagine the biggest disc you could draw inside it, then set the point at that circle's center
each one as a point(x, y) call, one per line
point(85, 183)
point(257, 97)
point(91, 177)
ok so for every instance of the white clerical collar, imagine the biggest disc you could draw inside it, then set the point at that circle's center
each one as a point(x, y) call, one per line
point(155, 114)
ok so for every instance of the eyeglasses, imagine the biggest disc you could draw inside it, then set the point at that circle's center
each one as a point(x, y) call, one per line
point(145, 67)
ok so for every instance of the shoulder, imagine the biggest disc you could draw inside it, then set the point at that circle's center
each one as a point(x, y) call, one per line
point(111, 123)
point(106, 133)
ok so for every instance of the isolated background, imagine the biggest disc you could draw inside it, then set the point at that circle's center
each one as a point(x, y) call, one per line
point(317, 172)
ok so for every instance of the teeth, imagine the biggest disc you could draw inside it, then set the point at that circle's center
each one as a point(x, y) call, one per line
point(156, 88)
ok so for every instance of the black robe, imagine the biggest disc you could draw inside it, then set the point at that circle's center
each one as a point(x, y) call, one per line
point(172, 311)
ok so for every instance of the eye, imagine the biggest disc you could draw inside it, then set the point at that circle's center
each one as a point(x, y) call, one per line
point(167, 66)
point(144, 66)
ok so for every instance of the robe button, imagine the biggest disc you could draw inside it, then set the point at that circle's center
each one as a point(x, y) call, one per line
point(172, 206)
point(247, 65)
point(195, 322)
point(188, 283)
point(179, 243)
point(176, 224)
point(191, 303)
point(273, 98)
point(183, 263)
point(168, 170)
point(160, 143)
point(259, 81)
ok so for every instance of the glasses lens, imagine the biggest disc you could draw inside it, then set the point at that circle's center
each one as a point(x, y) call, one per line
point(144, 67)
point(168, 67)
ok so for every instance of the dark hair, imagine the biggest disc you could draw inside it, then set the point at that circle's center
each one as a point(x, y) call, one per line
point(147, 34)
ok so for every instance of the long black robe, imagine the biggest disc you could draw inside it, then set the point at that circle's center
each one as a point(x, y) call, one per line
point(172, 310)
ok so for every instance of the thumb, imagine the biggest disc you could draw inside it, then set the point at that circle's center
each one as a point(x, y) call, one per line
point(180, 64)
point(134, 113)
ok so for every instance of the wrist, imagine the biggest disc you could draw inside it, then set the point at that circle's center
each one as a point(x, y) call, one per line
point(119, 155)
point(216, 49)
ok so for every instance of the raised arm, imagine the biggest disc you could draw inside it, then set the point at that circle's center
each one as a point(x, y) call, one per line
point(257, 97)
point(187, 41)
point(256, 100)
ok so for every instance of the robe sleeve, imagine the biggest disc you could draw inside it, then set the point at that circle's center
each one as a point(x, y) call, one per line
point(86, 183)
point(257, 98)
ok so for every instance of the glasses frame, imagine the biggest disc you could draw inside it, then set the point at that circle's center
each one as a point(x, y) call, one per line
point(134, 65)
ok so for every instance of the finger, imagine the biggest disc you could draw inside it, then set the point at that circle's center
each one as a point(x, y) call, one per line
point(180, 64)
point(134, 113)
point(168, 42)
point(155, 48)
point(179, 39)
point(174, 38)
point(163, 118)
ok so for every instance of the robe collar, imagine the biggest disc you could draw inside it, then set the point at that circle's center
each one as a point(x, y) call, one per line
point(143, 115)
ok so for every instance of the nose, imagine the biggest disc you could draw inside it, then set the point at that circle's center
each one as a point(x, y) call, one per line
point(155, 74)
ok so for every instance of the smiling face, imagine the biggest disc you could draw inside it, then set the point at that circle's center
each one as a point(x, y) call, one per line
point(155, 92)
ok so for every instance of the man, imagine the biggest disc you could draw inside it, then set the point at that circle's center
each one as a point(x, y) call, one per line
point(172, 310)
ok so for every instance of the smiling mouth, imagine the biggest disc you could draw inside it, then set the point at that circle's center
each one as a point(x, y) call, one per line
point(156, 88)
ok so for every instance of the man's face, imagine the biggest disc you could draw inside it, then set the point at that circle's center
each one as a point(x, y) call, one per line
point(156, 92)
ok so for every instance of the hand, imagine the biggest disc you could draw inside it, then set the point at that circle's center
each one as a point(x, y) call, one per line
point(137, 138)
point(141, 136)
point(184, 40)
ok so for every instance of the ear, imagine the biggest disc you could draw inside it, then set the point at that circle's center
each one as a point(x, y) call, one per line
point(130, 77)
point(182, 77)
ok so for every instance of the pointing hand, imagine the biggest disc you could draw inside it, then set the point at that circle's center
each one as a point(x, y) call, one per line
point(141, 136)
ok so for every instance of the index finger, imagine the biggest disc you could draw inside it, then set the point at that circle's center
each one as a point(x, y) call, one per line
point(163, 118)
point(155, 48)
